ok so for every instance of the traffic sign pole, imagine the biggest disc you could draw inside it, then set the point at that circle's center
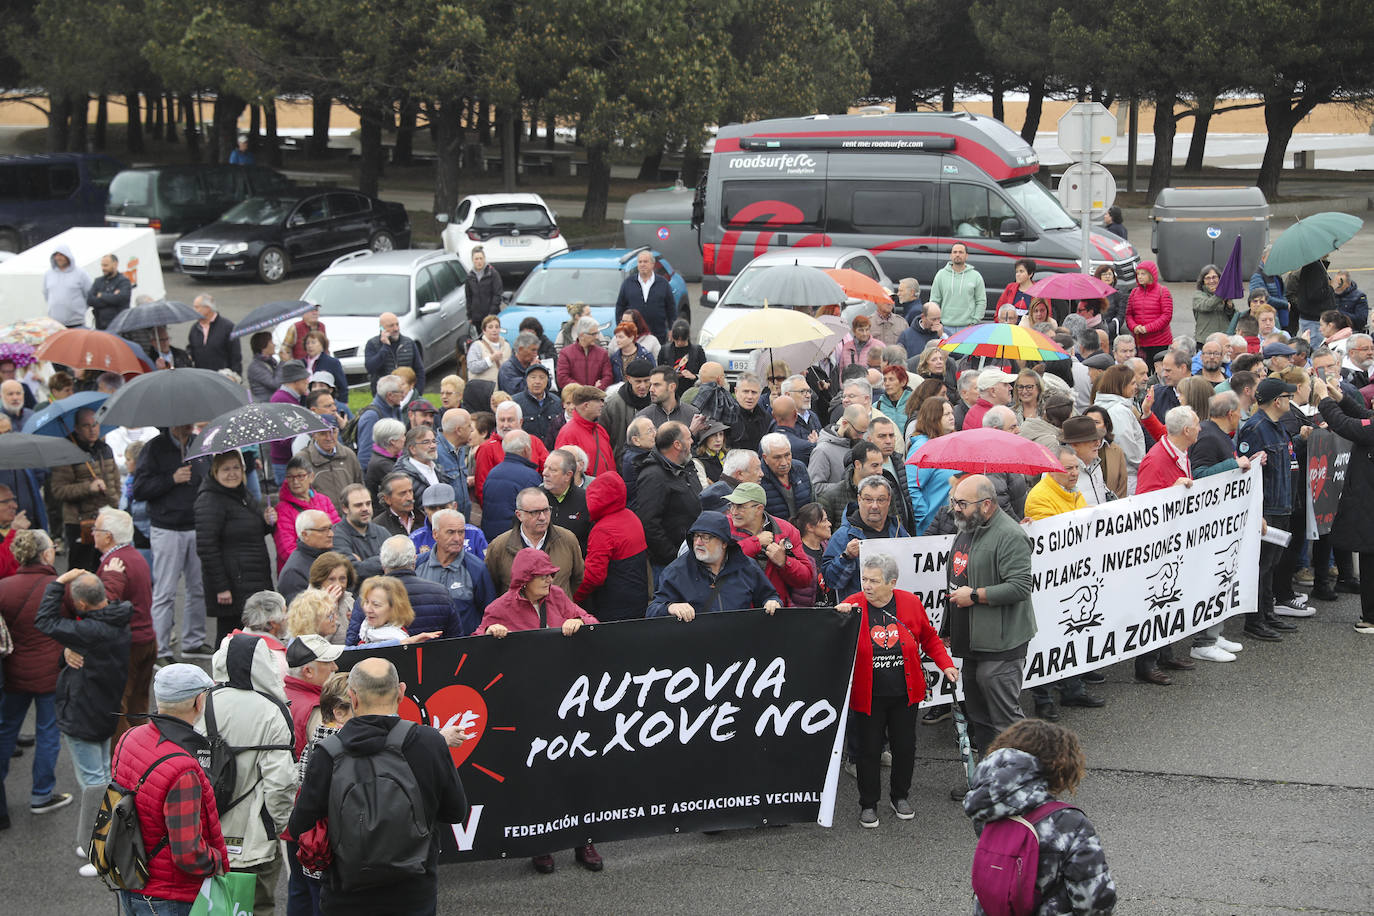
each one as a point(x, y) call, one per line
point(1087, 195)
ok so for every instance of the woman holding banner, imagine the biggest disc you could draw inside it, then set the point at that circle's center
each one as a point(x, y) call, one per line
point(889, 683)
point(1353, 528)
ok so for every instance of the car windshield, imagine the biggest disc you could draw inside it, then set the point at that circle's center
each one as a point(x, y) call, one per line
point(360, 294)
point(258, 211)
point(1042, 206)
point(559, 286)
point(512, 216)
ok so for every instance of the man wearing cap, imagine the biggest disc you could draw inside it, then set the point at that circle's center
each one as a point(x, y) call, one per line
point(583, 431)
point(461, 575)
point(533, 528)
point(586, 362)
point(421, 461)
point(310, 660)
point(1278, 356)
point(773, 543)
point(1263, 437)
point(994, 388)
point(441, 496)
point(319, 400)
point(294, 381)
point(1081, 435)
point(712, 575)
point(175, 799)
point(567, 500)
point(420, 412)
point(625, 403)
point(334, 464)
point(542, 408)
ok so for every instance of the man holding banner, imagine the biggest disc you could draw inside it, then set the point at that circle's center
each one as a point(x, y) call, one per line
point(991, 618)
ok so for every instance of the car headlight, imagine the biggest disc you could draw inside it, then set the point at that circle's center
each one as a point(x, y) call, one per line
point(234, 248)
point(705, 339)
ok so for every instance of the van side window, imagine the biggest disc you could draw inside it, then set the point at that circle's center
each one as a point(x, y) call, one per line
point(224, 185)
point(63, 180)
point(876, 211)
point(968, 211)
point(759, 204)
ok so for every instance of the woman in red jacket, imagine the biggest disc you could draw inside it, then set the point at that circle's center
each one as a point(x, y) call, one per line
point(1017, 293)
point(888, 681)
point(1149, 311)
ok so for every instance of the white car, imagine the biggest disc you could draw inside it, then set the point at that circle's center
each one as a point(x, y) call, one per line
point(728, 306)
point(424, 289)
point(517, 232)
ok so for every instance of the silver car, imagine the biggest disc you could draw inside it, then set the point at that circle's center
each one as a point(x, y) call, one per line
point(424, 289)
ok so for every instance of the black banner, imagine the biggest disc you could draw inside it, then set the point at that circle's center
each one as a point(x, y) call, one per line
point(637, 728)
point(1328, 456)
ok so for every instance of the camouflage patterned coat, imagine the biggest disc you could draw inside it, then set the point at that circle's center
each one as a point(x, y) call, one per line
point(1073, 877)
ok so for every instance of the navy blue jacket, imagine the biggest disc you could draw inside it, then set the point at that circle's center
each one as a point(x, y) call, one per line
point(543, 421)
point(503, 484)
point(739, 584)
point(380, 359)
point(629, 471)
point(842, 572)
point(777, 501)
point(659, 312)
point(433, 609)
point(1354, 305)
point(510, 378)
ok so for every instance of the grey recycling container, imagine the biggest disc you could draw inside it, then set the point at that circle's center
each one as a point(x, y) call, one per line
point(1193, 227)
point(662, 219)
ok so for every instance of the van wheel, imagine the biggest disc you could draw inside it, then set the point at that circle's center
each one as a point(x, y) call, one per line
point(382, 241)
point(272, 265)
point(9, 240)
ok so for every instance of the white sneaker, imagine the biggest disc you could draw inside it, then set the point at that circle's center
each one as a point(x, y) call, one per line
point(1294, 608)
point(1228, 645)
point(885, 759)
point(1211, 654)
point(81, 852)
point(87, 871)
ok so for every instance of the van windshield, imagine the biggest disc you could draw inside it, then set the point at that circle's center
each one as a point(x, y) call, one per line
point(258, 211)
point(1039, 204)
point(361, 294)
point(132, 189)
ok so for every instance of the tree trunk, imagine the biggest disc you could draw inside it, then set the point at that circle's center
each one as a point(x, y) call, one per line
point(483, 122)
point(505, 117)
point(59, 114)
point(272, 143)
point(403, 153)
point(549, 128)
point(534, 122)
point(320, 109)
point(370, 138)
point(446, 119)
point(224, 127)
point(78, 139)
point(133, 138)
point(254, 128)
point(102, 121)
point(652, 162)
point(598, 182)
point(1198, 145)
point(947, 98)
point(1280, 120)
point(188, 108)
point(1035, 106)
point(152, 114)
point(999, 104)
point(168, 108)
point(1162, 168)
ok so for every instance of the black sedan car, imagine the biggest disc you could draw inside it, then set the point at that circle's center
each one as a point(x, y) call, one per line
point(272, 235)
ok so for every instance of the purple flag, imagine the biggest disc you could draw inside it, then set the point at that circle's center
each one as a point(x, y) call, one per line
point(1232, 285)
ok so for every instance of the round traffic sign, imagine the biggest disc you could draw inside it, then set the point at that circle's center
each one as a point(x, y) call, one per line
point(1101, 188)
point(1214, 232)
point(663, 233)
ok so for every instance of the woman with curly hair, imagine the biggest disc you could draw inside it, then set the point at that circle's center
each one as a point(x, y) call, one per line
point(1026, 767)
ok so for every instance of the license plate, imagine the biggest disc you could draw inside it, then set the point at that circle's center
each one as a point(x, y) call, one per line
point(521, 242)
point(739, 365)
point(195, 262)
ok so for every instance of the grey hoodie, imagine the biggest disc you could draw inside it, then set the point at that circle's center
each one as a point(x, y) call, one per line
point(65, 290)
point(1073, 876)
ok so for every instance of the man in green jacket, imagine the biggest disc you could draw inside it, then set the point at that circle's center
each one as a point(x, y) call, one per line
point(991, 619)
point(959, 291)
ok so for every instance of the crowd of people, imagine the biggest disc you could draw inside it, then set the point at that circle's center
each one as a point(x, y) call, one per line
point(615, 480)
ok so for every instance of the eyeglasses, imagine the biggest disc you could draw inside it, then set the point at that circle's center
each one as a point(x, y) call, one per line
point(544, 511)
point(777, 378)
point(875, 500)
point(962, 504)
point(1027, 387)
point(302, 475)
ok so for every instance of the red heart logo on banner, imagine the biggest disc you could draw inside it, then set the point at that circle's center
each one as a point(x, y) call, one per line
point(960, 561)
point(1316, 472)
point(461, 705)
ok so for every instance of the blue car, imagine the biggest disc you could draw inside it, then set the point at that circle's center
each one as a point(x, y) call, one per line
point(590, 275)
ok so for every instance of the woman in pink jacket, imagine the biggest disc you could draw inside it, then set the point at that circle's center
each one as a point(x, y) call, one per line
point(1149, 311)
point(296, 495)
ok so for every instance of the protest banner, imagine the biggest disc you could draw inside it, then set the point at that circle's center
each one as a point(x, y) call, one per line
point(1116, 580)
point(1328, 457)
point(637, 728)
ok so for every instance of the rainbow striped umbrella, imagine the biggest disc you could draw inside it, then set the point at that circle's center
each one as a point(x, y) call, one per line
point(1003, 341)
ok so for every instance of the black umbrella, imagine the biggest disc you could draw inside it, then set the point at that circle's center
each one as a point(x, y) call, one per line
point(266, 317)
point(788, 285)
point(254, 424)
point(171, 397)
point(152, 315)
point(27, 450)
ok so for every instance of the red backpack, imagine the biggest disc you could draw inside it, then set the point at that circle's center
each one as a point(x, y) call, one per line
point(1006, 861)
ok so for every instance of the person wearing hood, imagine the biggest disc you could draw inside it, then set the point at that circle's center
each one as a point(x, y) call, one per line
point(249, 710)
point(873, 516)
point(667, 493)
point(231, 526)
point(88, 693)
point(623, 404)
point(84, 489)
point(615, 574)
point(773, 543)
point(296, 495)
point(1149, 310)
point(1026, 766)
point(583, 431)
point(533, 602)
point(109, 294)
point(888, 681)
point(712, 575)
point(65, 287)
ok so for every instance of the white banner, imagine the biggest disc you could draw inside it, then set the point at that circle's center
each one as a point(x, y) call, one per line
point(1118, 580)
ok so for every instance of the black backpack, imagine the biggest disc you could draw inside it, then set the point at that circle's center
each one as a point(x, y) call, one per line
point(116, 842)
point(379, 831)
point(223, 770)
point(349, 434)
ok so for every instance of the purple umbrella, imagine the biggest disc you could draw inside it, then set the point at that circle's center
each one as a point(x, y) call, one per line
point(1232, 284)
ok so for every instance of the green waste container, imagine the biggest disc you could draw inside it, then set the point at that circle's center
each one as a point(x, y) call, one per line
point(1193, 227)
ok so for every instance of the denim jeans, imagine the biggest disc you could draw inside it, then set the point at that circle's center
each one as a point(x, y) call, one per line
point(1307, 324)
point(47, 741)
point(132, 903)
point(90, 760)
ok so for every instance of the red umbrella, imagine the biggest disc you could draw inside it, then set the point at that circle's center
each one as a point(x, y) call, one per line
point(985, 451)
point(1070, 286)
point(81, 348)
